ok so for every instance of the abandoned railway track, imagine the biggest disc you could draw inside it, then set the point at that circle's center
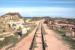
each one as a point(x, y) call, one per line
point(38, 42)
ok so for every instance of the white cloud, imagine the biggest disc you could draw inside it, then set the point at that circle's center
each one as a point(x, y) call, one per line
point(39, 1)
point(36, 11)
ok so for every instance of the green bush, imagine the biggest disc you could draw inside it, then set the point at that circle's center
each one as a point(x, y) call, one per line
point(8, 40)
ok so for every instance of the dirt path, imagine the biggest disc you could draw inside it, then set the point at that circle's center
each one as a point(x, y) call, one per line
point(25, 43)
point(51, 38)
point(52, 41)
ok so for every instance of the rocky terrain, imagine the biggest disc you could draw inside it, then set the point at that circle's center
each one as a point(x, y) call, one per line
point(9, 24)
point(4, 19)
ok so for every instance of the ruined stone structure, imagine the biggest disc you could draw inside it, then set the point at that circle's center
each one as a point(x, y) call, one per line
point(62, 24)
point(4, 19)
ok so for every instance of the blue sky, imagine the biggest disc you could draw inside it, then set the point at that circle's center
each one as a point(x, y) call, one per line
point(63, 8)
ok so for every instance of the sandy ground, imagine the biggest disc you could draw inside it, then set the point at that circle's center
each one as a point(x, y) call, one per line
point(25, 43)
point(53, 42)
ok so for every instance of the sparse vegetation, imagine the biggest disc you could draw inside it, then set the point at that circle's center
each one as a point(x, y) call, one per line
point(5, 27)
point(67, 39)
point(8, 40)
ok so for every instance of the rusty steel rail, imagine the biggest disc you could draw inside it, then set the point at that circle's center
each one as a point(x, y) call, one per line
point(42, 38)
point(33, 40)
